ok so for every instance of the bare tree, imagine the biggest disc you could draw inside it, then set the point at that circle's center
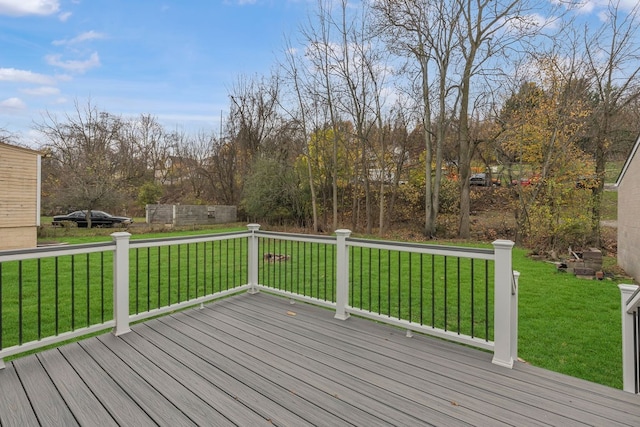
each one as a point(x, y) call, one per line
point(613, 58)
point(152, 144)
point(192, 154)
point(455, 41)
point(86, 146)
point(360, 69)
point(487, 29)
point(6, 137)
point(424, 32)
point(302, 113)
point(254, 118)
point(320, 51)
point(255, 127)
point(221, 171)
point(400, 147)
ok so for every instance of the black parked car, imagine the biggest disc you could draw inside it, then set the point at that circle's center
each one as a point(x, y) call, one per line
point(98, 219)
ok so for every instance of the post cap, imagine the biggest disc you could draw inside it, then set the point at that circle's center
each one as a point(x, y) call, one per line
point(502, 244)
point(119, 235)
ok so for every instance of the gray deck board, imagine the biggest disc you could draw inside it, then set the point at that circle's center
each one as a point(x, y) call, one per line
point(49, 407)
point(114, 399)
point(86, 408)
point(252, 398)
point(558, 405)
point(15, 408)
point(272, 386)
point(257, 360)
point(225, 404)
point(297, 381)
point(154, 404)
point(402, 377)
point(376, 389)
point(589, 398)
point(192, 405)
point(301, 368)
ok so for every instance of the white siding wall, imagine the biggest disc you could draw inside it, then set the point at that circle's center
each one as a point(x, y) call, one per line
point(629, 219)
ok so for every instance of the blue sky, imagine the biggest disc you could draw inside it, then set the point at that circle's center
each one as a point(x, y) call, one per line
point(174, 59)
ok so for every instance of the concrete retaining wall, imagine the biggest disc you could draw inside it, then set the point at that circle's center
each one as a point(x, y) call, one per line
point(180, 215)
point(159, 214)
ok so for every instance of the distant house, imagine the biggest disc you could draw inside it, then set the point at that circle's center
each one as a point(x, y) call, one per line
point(19, 197)
point(628, 185)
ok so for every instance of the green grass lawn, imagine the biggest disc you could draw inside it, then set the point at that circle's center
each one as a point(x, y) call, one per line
point(612, 171)
point(566, 324)
point(609, 207)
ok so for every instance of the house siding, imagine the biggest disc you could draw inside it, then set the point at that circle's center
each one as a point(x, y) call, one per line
point(628, 216)
point(18, 237)
point(19, 198)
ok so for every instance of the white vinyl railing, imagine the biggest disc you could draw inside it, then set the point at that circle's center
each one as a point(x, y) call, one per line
point(432, 289)
point(503, 291)
point(630, 295)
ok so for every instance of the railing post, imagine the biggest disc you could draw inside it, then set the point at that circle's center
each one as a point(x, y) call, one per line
point(253, 259)
point(121, 283)
point(505, 329)
point(342, 274)
point(514, 316)
point(628, 349)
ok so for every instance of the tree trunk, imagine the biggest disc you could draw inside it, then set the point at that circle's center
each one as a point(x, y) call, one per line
point(464, 230)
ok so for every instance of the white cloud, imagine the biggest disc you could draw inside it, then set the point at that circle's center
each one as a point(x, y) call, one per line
point(547, 22)
point(628, 4)
point(33, 135)
point(24, 76)
point(89, 35)
point(42, 91)
point(74, 66)
point(64, 17)
point(28, 7)
point(13, 104)
point(534, 21)
point(587, 7)
point(603, 16)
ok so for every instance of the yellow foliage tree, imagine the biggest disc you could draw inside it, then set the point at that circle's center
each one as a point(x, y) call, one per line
point(320, 156)
point(543, 124)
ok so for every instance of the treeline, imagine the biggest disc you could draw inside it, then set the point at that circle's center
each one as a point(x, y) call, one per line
point(380, 114)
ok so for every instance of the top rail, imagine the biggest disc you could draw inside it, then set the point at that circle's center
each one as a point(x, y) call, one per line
point(52, 251)
point(477, 253)
point(633, 302)
point(167, 241)
point(310, 238)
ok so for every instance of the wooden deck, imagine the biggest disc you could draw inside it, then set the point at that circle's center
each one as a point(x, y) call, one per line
point(257, 360)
